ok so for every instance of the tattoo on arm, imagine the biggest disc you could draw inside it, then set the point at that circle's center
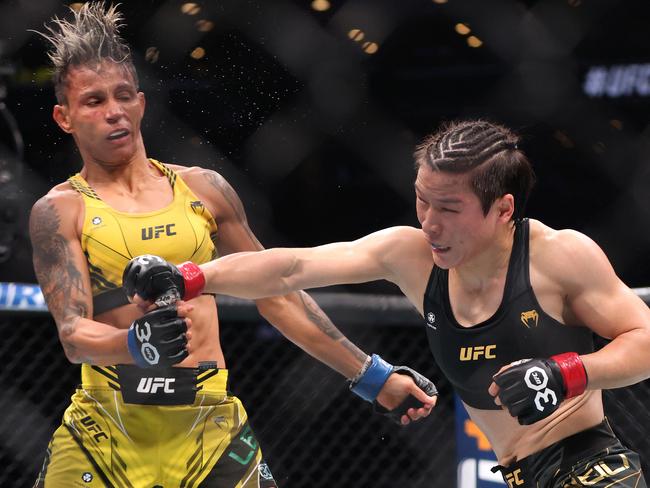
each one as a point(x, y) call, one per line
point(60, 280)
point(322, 321)
point(312, 310)
point(233, 200)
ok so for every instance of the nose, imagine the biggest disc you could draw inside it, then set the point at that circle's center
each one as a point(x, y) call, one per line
point(431, 223)
point(114, 111)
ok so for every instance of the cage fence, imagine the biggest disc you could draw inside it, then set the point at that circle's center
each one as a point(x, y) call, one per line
point(313, 432)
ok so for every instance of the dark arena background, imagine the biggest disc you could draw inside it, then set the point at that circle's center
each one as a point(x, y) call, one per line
point(311, 110)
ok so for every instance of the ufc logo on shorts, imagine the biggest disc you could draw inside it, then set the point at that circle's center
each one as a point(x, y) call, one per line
point(514, 478)
point(602, 471)
point(152, 385)
point(537, 380)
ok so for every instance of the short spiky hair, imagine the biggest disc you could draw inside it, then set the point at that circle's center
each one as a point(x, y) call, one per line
point(89, 38)
point(488, 153)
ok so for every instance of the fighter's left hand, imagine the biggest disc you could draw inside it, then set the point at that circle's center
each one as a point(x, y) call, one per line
point(404, 400)
point(532, 389)
point(401, 401)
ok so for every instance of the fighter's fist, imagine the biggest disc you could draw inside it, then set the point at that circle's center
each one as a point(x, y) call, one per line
point(156, 280)
point(158, 338)
point(375, 375)
point(417, 404)
point(532, 389)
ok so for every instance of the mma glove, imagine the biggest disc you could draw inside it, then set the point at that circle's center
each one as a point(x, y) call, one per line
point(159, 281)
point(532, 389)
point(371, 379)
point(158, 338)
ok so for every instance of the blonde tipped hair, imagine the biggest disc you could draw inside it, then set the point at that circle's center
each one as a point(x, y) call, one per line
point(90, 37)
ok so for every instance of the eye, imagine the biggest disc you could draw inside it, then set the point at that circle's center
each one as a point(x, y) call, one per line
point(448, 210)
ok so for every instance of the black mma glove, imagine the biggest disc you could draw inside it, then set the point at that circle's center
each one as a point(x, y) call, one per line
point(159, 281)
point(532, 389)
point(158, 338)
point(371, 380)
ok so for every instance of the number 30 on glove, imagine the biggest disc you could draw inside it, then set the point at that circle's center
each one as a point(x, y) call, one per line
point(158, 338)
point(532, 389)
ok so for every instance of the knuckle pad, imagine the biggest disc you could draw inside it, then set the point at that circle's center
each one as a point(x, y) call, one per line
point(508, 379)
point(421, 381)
point(167, 312)
point(500, 380)
point(178, 326)
point(177, 340)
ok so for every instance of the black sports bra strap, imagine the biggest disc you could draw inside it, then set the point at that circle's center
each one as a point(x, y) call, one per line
point(518, 279)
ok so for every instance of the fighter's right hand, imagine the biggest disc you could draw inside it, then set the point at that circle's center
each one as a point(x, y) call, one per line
point(158, 338)
point(155, 280)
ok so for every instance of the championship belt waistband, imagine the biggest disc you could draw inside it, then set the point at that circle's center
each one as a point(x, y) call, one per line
point(569, 451)
point(156, 386)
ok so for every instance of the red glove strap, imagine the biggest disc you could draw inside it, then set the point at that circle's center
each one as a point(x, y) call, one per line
point(573, 373)
point(194, 279)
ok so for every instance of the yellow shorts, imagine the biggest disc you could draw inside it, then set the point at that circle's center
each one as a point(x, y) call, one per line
point(155, 442)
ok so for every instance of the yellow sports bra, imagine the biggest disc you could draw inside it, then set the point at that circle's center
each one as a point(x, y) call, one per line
point(182, 231)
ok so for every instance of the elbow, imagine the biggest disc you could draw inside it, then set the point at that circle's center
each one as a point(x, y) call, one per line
point(67, 335)
point(288, 281)
point(270, 308)
point(278, 275)
point(71, 353)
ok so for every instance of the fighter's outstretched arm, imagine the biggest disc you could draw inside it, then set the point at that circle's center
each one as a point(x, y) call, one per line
point(291, 311)
point(282, 270)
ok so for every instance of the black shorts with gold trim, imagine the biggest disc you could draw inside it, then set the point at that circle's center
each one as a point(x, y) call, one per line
point(592, 458)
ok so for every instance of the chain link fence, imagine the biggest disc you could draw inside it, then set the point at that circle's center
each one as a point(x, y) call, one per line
point(293, 110)
point(313, 432)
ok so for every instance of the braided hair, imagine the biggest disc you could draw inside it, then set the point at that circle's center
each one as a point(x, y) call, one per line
point(488, 153)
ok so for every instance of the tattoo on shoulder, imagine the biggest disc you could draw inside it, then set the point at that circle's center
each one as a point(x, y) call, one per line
point(59, 278)
point(233, 200)
point(323, 322)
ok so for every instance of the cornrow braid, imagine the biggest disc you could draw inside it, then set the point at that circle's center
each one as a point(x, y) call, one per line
point(92, 36)
point(489, 153)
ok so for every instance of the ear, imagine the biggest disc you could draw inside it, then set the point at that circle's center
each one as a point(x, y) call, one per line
point(62, 118)
point(505, 207)
point(142, 101)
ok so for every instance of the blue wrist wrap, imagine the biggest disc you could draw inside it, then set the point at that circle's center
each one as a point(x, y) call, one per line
point(134, 349)
point(370, 384)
